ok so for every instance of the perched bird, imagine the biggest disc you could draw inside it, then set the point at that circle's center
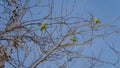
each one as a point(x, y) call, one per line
point(43, 26)
point(73, 39)
point(96, 20)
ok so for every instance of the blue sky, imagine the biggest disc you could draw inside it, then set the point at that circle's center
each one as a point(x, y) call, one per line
point(107, 10)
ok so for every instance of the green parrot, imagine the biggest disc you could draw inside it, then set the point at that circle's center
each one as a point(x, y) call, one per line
point(96, 20)
point(73, 39)
point(43, 26)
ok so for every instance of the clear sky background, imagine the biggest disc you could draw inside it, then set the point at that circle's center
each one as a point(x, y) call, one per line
point(108, 11)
